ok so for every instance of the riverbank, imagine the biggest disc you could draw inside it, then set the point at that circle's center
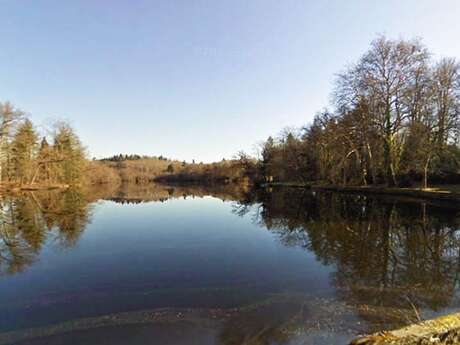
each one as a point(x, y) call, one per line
point(447, 192)
point(430, 193)
point(11, 188)
point(442, 330)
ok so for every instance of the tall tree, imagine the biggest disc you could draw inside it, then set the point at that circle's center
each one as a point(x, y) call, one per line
point(446, 99)
point(267, 151)
point(384, 77)
point(70, 153)
point(23, 152)
point(9, 117)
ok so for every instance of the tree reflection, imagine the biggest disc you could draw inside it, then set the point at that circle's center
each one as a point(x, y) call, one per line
point(29, 219)
point(388, 254)
point(129, 193)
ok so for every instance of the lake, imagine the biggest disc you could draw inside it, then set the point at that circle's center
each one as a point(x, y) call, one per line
point(220, 265)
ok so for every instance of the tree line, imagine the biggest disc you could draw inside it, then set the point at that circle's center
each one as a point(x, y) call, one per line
point(29, 158)
point(131, 157)
point(395, 121)
point(241, 169)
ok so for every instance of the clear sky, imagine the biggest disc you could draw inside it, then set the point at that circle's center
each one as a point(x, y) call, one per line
point(195, 79)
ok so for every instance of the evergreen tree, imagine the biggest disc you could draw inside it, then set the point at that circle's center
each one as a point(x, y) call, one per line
point(70, 152)
point(23, 152)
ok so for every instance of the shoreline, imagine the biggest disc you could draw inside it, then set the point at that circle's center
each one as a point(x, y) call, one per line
point(11, 188)
point(441, 330)
point(438, 194)
point(412, 192)
point(431, 193)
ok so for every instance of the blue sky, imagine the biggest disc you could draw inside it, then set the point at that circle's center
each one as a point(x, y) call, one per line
point(195, 79)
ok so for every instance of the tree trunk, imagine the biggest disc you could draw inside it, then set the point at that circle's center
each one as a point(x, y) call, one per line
point(371, 163)
point(425, 172)
point(388, 163)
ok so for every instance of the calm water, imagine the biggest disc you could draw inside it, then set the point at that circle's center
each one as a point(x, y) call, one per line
point(175, 265)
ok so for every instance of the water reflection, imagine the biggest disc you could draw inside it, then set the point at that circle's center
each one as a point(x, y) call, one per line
point(389, 255)
point(29, 219)
point(141, 193)
point(347, 264)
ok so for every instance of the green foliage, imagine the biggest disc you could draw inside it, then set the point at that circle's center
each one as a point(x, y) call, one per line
point(25, 161)
point(23, 152)
point(70, 152)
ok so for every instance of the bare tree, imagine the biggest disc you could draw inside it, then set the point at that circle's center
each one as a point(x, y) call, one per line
point(9, 117)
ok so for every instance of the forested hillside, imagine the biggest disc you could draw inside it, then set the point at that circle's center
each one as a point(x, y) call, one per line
point(144, 169)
